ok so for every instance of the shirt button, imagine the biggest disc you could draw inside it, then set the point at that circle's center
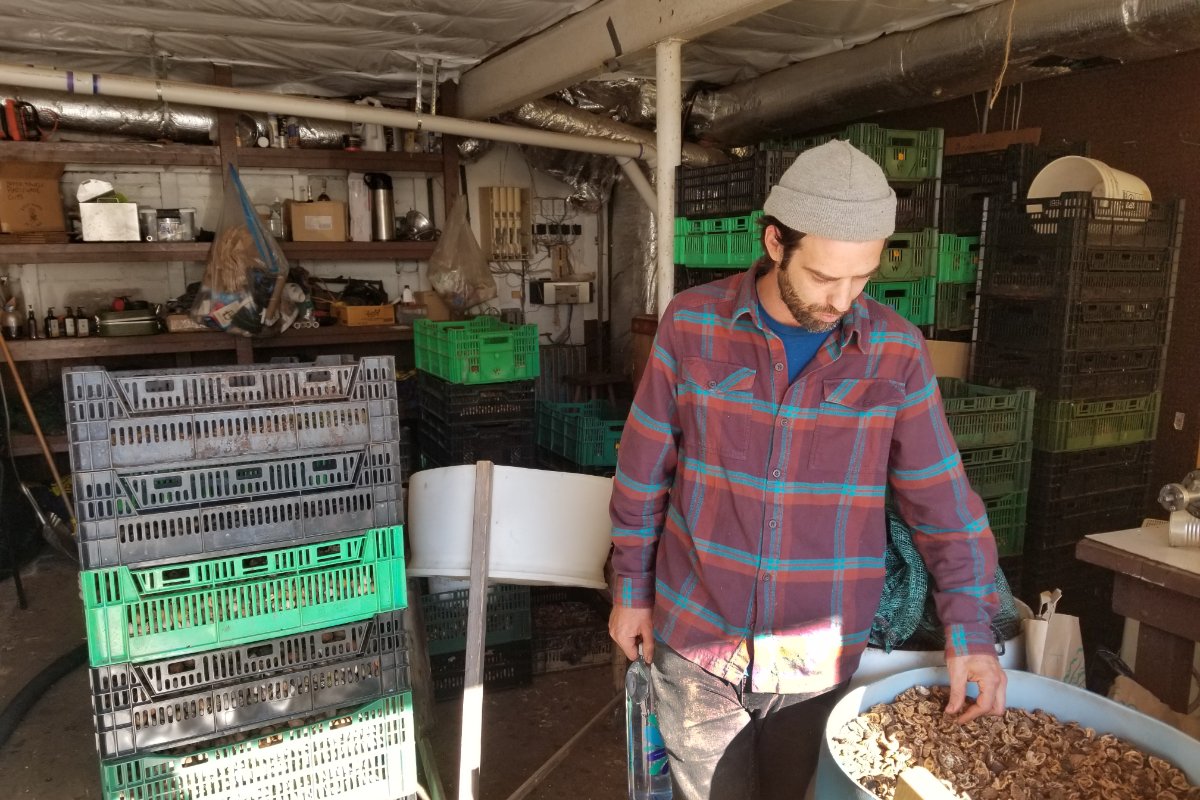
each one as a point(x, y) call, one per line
point(772, 524)
point(783, 423)
point(712, 384)
point(775, 473)
point(766, 578)
point(778, 366)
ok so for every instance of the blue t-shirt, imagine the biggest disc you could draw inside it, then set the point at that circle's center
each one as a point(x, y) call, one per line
point(799, 344)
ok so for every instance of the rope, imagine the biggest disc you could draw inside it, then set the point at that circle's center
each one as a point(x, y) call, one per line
point(1007, 52)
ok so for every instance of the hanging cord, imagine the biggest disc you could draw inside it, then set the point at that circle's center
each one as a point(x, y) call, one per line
point(1007, 52)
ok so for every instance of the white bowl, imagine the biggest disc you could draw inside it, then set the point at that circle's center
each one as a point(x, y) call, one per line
point(547, 527)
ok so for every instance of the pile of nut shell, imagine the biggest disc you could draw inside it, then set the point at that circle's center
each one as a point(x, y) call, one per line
point(1019, 756)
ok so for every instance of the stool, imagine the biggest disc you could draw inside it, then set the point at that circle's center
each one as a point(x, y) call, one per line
point(592, 383)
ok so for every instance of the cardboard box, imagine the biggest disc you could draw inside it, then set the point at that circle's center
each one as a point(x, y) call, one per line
point(949, 358)
point(356, 316)
point(323, 221)
point(436, 309)
point(110, 222)
point(30, 199)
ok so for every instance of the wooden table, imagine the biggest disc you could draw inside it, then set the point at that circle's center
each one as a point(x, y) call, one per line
point(1159, 586)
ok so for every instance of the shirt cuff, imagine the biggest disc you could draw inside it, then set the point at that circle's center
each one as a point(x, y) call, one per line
point(631, 592)
point(963, 640)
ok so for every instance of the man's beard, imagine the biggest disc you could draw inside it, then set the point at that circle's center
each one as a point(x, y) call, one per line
point(805, 314)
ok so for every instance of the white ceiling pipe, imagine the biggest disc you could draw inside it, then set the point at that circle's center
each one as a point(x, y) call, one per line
point(105, 84)
point(638, 180)
point(669, 129)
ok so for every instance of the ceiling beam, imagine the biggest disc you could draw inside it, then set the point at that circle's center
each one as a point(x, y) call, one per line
point(590, 43)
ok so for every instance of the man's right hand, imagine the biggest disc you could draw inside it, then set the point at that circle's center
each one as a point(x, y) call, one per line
point(627, 625)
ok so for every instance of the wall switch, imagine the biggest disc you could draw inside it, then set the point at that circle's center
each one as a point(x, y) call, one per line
point(1179, 420)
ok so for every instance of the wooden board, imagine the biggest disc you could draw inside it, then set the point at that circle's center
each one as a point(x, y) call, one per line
point(997, 140)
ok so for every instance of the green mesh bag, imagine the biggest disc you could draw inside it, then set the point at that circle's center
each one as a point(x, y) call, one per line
point(907, 618)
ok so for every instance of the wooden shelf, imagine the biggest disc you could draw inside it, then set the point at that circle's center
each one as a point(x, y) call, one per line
point(26, 444)
point(95, 252)
point(141, 153)
point(169, 343)
point(361, 161)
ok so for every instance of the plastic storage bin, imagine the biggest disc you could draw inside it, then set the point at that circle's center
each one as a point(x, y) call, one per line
point(588, 434)
point(912, 300)
point(982, 416)
point(479, 350)
point(508, 443)
point(370, 752)
point(1073, 374)
point(910, 256)
point(494, 402)
point(139, 615)
point(508, 617)
point(139, 516)
point(1006, 515)
point(505, 666)
point(177, 701)
point(1062, 325)
point(992, 476)
point(1069, 425)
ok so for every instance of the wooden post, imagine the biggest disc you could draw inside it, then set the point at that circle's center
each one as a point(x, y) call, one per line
point(470, 752)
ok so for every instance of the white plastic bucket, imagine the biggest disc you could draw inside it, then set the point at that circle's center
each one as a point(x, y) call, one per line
point(876, 665)
point(1080, 174)
point(547, 527)
point(1026, 691)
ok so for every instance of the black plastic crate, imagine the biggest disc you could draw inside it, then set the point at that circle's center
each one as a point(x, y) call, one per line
point(961, 209)
point(1057, 523)
point(505, 666)
point(1082, 473)
point(1023, 162)
point(455, 403)
point(988, 168)
point(511, 444)
point(1071, 374)
point(1077, 220)
point(139, 708)
point(1013, 568)
point(916, 205)
point(1021, 278)
point(738, 187)
point(1054, 324)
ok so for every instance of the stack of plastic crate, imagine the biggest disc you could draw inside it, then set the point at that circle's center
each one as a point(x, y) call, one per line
point(580, 437)
point(570, 629)
point(508, 653)
point(954, 301)
point(970, 178)
point(993, 429)
point(243, 579)
point(1076, 300)
point(476, 391)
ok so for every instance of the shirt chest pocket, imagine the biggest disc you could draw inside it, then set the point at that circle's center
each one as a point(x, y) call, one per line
point(853, 434)
point(715, 400)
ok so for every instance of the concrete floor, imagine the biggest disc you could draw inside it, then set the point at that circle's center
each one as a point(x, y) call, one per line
point(52, 756)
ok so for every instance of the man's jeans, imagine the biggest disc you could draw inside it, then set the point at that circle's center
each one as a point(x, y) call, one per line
point(727, 744)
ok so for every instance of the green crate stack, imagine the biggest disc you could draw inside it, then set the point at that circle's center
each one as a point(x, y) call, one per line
point(177, 645)
point(912, 300)
point(475, 355)
point(993, 429)
point(732, 243)
point(957, 265)
point(586, 434)
point(904, 155)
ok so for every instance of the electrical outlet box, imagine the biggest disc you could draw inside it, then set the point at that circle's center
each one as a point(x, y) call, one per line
point(553, 293)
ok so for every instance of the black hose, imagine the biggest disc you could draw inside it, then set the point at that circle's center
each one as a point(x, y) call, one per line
point(19, 706)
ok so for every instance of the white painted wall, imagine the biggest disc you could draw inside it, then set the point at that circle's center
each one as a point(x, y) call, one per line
point(94, 285)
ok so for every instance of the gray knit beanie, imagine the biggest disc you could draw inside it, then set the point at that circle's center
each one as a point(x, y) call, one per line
point(835, 191)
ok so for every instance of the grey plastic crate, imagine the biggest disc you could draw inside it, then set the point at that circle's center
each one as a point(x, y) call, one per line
point(142, 418)
point(145, 707)
point(139, 516)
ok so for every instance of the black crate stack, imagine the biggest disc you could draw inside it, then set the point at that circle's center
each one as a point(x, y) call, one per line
point(475, 389)
point(1075, 301)
point(243, 578)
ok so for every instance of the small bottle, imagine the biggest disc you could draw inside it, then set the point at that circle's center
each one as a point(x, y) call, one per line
point(68, 324)
point(52, 329)
point(32, 325)
point(83, 323)
point(648, 768)
point(10, 321)
point(293, 132)
point(406, 296)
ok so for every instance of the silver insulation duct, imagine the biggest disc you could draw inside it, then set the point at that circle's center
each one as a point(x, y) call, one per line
point(591, 176)
point(145, 120)
point(552, 116)
point(951, 58)
point(630, 100)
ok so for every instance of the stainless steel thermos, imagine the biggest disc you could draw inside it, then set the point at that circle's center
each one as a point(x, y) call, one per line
point(383, 212)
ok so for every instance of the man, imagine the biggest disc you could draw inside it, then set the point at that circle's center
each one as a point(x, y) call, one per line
point(748, 508)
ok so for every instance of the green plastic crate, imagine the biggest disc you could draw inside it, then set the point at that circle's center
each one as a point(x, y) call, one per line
point(508, 617)
point(909, 256)
point(958, 258)
point(954, 307)
point(904, 155)
point(1069, 425)
point(991, 477)
point(479, 350)
point(135, 615)
point(981, 416)
point(912, 300)
point(588, 434)
point(689, 250)
point(742, 222)
point(1006, 515)
point(370, 752)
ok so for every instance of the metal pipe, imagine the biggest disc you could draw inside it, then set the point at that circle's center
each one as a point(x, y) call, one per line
point(669, 130)
point(88, 83)
point(639, 182)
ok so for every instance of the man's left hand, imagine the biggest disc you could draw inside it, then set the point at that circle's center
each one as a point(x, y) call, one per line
point(983, 670)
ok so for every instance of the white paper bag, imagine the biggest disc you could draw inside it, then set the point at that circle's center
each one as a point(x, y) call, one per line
point(1053, 644)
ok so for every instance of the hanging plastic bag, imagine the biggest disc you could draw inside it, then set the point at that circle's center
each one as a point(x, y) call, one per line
point(458, 269)
point(244, 289)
